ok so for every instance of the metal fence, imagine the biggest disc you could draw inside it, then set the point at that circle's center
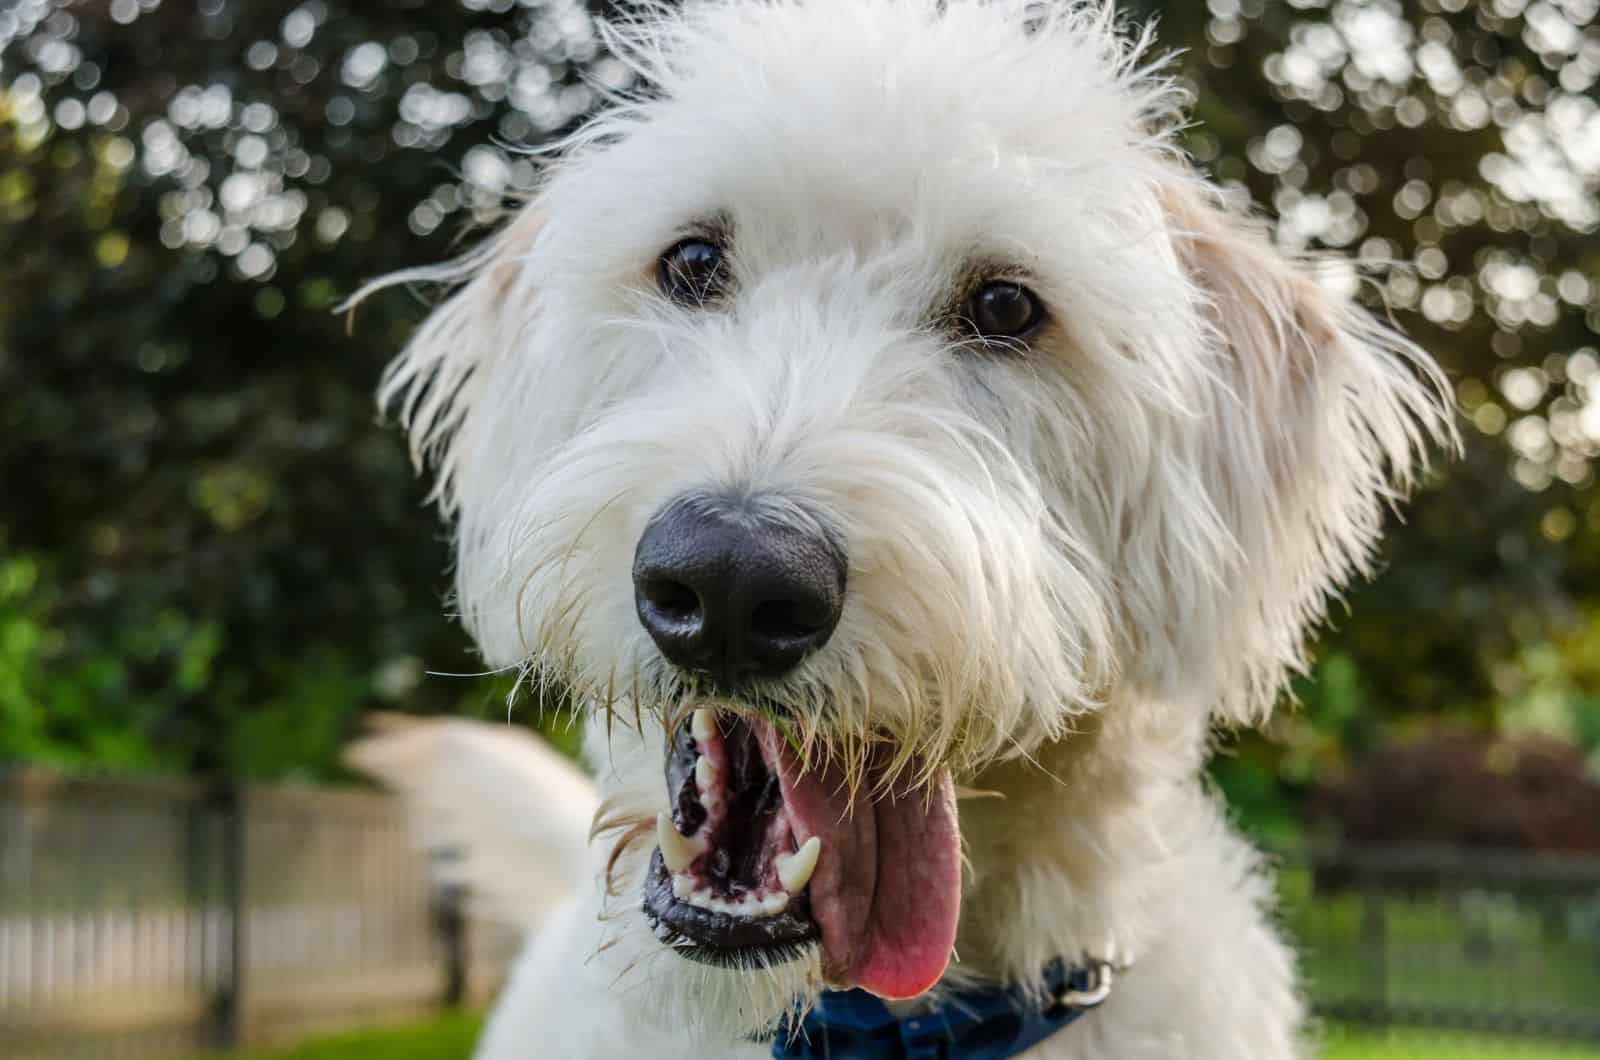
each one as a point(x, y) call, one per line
point(1449, 938)
point(161, 918)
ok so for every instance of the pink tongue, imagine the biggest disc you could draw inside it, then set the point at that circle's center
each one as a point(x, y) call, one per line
point(887, 888)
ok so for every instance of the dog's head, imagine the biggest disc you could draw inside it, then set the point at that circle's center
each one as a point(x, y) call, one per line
point(874, 399)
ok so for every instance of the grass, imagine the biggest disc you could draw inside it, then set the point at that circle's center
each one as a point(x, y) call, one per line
point(451, 1038)
point(1345, 1044)
point(445, 1038)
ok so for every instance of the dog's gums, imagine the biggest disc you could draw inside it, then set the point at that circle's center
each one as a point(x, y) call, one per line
point(761, 855)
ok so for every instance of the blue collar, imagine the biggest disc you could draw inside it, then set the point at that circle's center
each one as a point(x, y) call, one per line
point(981, 1024)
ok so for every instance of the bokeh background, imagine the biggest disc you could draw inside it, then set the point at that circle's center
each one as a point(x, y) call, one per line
point(215, 561)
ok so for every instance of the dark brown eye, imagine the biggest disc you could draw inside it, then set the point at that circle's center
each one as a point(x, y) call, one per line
point(691, 272)
point(1002, 309)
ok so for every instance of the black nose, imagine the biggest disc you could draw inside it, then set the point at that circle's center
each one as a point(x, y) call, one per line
point(727, 589)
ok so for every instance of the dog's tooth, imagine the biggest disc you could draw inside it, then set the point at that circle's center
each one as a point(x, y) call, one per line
point(794, 870)
point(682, 886)
point(702, 725)
point(676, 850)
point(705, 773)
point(775, 903)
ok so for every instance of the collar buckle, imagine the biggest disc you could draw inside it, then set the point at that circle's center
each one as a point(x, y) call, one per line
point(1086, 987)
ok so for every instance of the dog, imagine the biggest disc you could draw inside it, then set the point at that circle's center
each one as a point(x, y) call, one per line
point(904, 461)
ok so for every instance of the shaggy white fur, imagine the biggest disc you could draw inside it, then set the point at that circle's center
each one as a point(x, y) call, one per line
point(1069, 556)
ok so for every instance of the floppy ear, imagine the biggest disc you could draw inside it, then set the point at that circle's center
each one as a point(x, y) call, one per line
point(432, 383)
point(1315, 419)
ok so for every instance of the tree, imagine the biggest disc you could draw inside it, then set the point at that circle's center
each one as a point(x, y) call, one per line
point(218, 555)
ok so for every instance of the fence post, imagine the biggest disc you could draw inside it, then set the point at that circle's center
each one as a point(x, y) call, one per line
point(1375, 941)
point(199, 859)
point(228, 1007)
point(450, 921)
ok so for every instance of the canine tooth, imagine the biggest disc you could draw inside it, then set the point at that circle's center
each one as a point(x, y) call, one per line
point(705, 773)
point(682, 886)
point(794, 870)
point(676, 850)
point(775, 903)
point(702, 725)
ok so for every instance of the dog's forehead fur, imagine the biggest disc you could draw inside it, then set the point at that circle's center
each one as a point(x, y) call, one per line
point(928, 83)
point(1039, 148)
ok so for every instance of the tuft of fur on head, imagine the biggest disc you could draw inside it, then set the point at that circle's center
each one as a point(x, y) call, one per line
point(1145, 506)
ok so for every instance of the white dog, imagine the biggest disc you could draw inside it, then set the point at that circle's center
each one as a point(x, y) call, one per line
point(905, 460)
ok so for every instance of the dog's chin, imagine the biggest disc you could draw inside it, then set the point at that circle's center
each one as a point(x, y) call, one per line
point(765, 861)
point(714, 1005)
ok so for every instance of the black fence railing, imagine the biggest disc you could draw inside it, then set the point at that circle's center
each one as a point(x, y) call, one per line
point(1450, 938)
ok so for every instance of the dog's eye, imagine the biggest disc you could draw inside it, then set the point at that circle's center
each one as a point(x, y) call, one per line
point(692, 272)
point(1002, 309)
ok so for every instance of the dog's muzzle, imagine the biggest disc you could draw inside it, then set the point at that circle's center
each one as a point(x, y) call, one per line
point(766, 849)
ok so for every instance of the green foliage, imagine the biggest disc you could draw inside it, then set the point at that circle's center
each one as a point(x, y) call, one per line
point(75, 696)
point(227, 558)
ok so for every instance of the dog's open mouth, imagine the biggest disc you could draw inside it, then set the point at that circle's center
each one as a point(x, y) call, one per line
point(758, 858)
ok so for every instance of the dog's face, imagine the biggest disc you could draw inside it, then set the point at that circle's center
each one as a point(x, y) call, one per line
point(871, 402)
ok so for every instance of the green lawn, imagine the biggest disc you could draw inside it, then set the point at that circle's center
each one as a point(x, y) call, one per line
point(451, 1038)
point(1429, 1045)
point(447, 1038)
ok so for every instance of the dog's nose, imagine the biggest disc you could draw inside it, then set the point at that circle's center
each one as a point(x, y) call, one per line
point(726, 589)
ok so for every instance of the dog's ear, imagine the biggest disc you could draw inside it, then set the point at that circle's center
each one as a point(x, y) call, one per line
point(433, 381)
point(1314, 419)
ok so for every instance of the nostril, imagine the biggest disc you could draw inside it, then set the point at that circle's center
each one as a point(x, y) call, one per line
point(788, 620)
point(672, 600)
